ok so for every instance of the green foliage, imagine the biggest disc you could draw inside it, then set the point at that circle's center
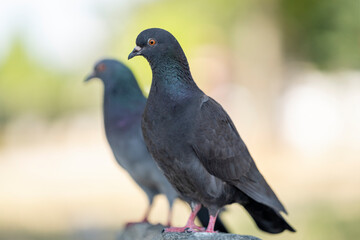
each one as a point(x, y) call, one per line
point(27, 88)
point(194, 23)
point(325, 32)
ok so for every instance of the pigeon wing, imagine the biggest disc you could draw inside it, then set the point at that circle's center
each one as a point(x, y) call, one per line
point(223, 153)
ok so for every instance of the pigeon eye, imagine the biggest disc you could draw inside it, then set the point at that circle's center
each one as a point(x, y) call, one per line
point(151, 42)
point(101, 67)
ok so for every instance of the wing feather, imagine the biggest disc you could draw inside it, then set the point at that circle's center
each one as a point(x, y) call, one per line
point(223, 153)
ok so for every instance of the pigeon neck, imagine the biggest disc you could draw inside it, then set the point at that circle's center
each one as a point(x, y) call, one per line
point(123, 100)
point(173, 76)
point(123, 91)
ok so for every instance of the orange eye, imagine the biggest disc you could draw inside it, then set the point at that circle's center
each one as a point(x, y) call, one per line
point(101, 67)
point(151, 42)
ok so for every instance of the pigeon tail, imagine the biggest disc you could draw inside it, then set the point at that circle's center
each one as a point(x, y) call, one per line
point(266, 218)
point(255, 186)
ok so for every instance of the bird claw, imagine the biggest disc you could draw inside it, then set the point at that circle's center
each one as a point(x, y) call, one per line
point(174, 229)
point(195, 229)
point(186, 229)
point(199, 229)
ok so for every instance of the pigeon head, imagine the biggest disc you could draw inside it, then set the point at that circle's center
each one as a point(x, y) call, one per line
point(157, 44)
point(119, 81)
point(113, 74)
point(107, 70)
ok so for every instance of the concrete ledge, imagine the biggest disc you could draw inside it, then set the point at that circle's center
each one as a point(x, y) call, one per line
point(146, 231)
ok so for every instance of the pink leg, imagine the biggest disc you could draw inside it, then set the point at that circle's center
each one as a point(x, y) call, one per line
point(190, 225)
point(210, 227)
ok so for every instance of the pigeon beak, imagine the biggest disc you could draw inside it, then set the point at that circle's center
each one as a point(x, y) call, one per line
point(90, 76)
point(135, 52)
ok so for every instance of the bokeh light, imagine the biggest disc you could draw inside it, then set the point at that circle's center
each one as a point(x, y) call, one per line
point(287, 72)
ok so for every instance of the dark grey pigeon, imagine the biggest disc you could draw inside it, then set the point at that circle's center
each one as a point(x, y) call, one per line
point(196, 144)
point(124, 104)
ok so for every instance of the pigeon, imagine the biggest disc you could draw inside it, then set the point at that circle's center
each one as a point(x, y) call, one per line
point(195, 143)
point(123, 106)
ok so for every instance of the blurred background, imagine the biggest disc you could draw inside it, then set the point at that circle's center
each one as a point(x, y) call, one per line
point(287, 72)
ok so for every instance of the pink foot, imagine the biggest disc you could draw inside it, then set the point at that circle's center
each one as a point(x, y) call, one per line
point(175, 229)
point(190, 228)
point(190, 225)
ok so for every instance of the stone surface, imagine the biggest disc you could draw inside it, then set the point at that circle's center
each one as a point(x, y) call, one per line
point(145, 231)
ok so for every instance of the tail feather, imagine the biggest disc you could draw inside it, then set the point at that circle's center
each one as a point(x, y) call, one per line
point(255, 186)
point(266, 218)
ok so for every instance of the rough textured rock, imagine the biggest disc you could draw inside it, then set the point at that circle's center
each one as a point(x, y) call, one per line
point(145, 231)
